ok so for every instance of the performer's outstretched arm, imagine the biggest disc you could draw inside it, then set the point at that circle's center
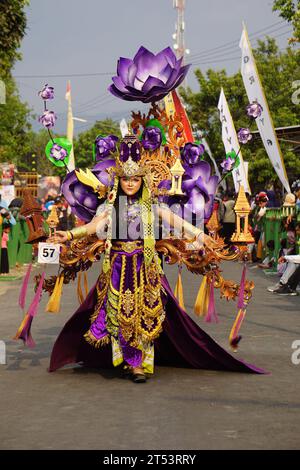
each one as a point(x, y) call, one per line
point(187, 229)
point(97, 224)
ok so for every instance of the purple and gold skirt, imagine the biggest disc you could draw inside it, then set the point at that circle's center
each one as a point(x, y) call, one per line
point(129, 312)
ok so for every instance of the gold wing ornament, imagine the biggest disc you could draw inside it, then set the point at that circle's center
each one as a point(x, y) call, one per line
point(89, 179)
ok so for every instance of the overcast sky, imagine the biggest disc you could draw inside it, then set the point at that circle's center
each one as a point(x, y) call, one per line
point(69, 37)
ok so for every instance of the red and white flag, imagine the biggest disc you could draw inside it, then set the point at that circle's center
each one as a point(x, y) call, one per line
point(68, 93)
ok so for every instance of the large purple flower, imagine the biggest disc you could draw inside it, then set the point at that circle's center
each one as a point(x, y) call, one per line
point(254, 109)
point(244, 135)
point(199, 187)
point(47, 93)
point(148, 77)
point(82, 199)
point(191, 153)
point(104, 146)
point(47, 119)
point(151, 138)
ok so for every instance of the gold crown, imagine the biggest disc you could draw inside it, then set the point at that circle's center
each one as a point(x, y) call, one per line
point(130, 145)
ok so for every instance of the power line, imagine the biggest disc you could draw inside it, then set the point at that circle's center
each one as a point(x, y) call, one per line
point(220, 58)
point(96, 104)
point(233, 43)
point(194, 56)
point(85, 105)
point(67, 75)
point(233, 46)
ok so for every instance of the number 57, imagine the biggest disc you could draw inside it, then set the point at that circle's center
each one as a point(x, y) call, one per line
point(48, 252)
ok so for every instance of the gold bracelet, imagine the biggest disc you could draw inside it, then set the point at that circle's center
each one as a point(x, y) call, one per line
point(78, 232)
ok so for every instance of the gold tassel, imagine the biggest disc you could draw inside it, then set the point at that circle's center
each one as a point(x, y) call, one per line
point(79, 290)
point(86, 284)
point(53, 305)
point(201, 303)
point(178, 291)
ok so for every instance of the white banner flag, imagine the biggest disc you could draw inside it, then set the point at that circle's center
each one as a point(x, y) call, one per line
point(264, 123)
point(207, 149)
point(231, 143)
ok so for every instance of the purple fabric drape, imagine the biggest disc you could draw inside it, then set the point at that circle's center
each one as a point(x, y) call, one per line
point(181, 344)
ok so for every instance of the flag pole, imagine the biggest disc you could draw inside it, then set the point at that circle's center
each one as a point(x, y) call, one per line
point(70, 127)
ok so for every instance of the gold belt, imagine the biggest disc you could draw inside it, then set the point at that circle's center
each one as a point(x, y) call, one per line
point(128, 247)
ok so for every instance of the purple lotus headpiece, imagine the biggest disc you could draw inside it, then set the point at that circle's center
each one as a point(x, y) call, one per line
point(148, 77)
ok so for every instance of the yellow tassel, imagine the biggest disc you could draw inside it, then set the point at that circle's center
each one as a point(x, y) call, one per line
point(201, 303)
point(86, 284)
point(21, 327)
point(234, 337)
point(79, 290)
point(53, 305)
point(178, 291)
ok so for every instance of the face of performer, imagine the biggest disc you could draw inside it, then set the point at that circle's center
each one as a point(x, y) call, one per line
point(131, 185)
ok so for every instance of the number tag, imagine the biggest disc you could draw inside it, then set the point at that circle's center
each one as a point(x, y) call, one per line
point(48, 253)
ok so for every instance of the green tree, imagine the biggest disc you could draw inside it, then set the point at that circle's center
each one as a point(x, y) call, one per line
point(12, 31)
point(290, 11)
point(277, 71)
point(14, 115)
point(14, 126)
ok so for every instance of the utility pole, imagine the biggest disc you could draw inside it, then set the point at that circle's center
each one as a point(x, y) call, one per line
point(178, 36)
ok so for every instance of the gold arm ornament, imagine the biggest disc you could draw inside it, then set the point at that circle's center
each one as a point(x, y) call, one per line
point(77, 232)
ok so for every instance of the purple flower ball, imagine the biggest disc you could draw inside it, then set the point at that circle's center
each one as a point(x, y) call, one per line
point(47, 93)
point(227, 164)
point(191, 153)
point(254, 109)
point(104, 146)
point(151, 138)
point(244, 135)
point(47, 119)
point(58, 153)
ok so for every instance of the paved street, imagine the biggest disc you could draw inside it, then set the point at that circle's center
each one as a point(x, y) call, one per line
point(77, 408)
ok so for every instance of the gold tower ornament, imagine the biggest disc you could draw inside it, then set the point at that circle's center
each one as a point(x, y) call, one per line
point(52, 219)
point(213, 225)
point(242, 209)
point(177, 171)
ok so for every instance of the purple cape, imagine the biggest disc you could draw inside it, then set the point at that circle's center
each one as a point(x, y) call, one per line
point(182, 343)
